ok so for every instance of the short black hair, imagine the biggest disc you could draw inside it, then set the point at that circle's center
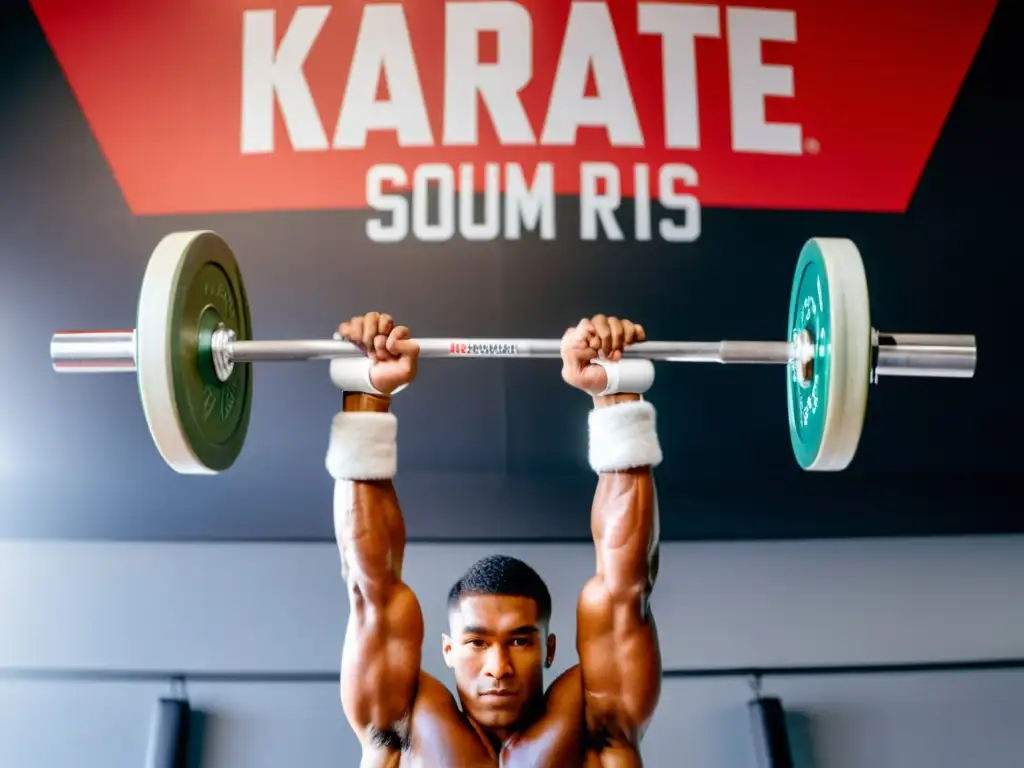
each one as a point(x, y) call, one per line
point(502, 575)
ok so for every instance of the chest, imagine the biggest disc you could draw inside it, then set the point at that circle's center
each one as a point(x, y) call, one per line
point(457, 745)
point(533, 756)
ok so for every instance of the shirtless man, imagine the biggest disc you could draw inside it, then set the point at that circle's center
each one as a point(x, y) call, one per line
point(595, 714)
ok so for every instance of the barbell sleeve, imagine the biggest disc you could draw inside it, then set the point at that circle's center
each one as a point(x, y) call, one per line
point(928, 355)
point(93, 351)
point(944, 356)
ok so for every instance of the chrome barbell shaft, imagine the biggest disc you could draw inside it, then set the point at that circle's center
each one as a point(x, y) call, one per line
point(929, 355)
point(114, 351)
point(458, 348)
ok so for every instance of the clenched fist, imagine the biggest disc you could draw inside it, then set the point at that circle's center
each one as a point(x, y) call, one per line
point(597, 337)
point(395, 357)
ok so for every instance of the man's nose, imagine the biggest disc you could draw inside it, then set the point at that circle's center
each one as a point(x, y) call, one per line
point(498, 665)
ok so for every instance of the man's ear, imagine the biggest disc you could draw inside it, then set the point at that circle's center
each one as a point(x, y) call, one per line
point(446, 650)
point(552, 643)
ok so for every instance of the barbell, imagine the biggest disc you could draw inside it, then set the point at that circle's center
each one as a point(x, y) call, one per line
point(192, 351)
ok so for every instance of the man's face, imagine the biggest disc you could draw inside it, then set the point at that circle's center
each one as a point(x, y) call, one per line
point(498, 649)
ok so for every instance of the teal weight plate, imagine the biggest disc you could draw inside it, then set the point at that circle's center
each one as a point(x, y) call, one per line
point(810, 310)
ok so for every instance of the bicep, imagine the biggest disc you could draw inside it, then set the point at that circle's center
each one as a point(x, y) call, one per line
point(381, 664)
point(620, 661)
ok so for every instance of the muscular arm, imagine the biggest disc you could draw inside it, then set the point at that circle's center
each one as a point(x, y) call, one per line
point(381, 657)
point(616, 636)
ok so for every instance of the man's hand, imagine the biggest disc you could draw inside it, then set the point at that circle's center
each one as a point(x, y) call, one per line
point(395, 357)
point(598, 337)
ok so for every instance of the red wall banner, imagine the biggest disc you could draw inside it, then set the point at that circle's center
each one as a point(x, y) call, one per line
point(238, 106)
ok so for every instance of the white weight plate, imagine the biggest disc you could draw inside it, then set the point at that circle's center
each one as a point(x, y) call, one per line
point(191, 286)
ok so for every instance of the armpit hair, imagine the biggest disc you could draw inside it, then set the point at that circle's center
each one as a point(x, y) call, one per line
point(397, 737)
point(598, 738)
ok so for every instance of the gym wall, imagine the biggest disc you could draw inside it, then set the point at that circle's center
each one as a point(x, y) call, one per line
point(116, 574)
point(261, 626)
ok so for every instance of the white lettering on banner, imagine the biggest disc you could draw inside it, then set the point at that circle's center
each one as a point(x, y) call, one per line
point(668, 229)
point(396, 205)
point(498, 84)
point(590, 45)
point(425, 205)
point(442, 177)
point(598, 206)
point(442, 208)
point(527, 205)
point(679, 26)
point(269, 75)
point(678, 201)
point(434, 206)
point(488, 228)
point(641, 203)
point(752, 80)
point(383, 49)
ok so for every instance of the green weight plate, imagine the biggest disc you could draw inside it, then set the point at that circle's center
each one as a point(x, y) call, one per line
point(191, 287)
point(829, 309)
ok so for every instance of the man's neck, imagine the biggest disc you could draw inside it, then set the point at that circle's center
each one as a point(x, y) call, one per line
point(498, 737)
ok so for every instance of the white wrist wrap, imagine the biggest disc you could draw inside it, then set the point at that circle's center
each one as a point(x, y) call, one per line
point(632, 375)
point(352, 374)
point(624, 436)
point(363, 446)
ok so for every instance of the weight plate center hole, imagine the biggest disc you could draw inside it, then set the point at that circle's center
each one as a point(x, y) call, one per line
point(213, 340)
point(804, 362)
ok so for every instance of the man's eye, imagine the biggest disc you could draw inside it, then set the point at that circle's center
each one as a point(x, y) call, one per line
point(477, 642)
point(522, 642)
